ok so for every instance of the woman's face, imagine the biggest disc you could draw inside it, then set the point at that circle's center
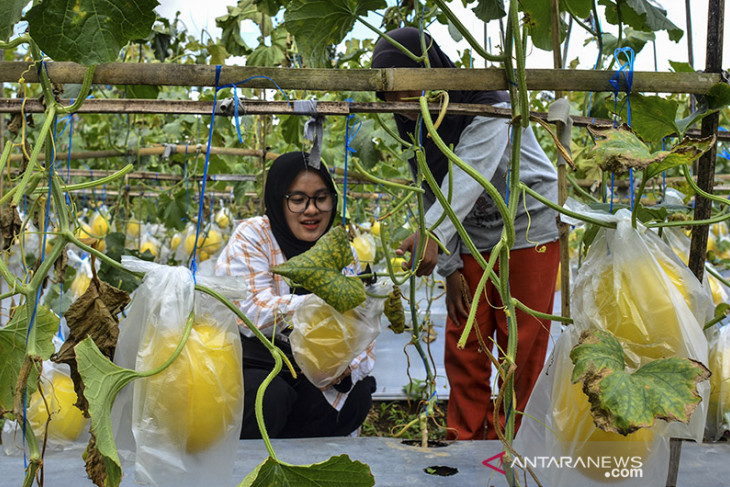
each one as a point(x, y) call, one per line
point(312, 223)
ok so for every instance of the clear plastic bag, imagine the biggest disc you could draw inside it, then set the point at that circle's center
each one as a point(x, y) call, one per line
point(184, 423)
point(680, 243)
point(718, 414)
point(560, 441)
point(325, 341)
point(67, 428)
point(634, 285)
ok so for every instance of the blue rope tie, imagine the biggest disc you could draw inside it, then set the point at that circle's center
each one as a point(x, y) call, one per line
point(627, 69)
point(348, 150)
point(193, 265)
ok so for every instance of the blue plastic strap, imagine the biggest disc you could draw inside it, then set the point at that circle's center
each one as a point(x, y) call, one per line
point(627, 69)
point(193, 265)
point(348, 149)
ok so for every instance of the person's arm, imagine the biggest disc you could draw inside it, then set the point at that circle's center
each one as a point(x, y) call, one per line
point(482, 146)
point(250, 253)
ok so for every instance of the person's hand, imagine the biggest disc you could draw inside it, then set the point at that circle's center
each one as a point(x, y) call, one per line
point(427, 261)
point(458, 297)
point(337, 379)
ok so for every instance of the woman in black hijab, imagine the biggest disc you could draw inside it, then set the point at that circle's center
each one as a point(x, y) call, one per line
point(301, 205)
point(484, 144)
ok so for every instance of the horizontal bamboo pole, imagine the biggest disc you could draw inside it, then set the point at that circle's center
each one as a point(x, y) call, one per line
point(255, 107)
point(390, 79)
point(191, 150)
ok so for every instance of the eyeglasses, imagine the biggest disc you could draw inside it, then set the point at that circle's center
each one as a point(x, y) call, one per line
point(298, 202)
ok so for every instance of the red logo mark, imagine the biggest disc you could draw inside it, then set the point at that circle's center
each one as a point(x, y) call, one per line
point(487, 464)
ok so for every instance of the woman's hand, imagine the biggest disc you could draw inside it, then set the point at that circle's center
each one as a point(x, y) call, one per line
point(458, 297)
point(337, 380)
point(429, 258)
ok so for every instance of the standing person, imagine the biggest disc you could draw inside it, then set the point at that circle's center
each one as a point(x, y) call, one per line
point(484, 144)
point(301, 205)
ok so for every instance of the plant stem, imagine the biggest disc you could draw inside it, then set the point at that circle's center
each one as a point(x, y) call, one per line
point(92, 184)
point(183, 340)
point(488, 187)
point(466, 34)
point(45, 130)
point(564, 211)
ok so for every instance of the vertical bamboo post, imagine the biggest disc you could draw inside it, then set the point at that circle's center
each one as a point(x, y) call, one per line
point(705, 180)
point(563, 228)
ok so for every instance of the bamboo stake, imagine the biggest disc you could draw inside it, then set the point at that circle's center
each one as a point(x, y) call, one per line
point(705, 179)
point(563, 228)
point(390, 79)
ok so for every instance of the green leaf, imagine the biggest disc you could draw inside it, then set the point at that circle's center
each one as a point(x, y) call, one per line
point(641, 15)
point(10, 13)
point(681, 67)
point(652, 117)
point(13, 347)
point(338, 471)
point(487, 10)
point(273, 55)
point(103, 380)
point(635, 39)
point(89, 31)
point(537, 13)
point(110, 274)
point(579, 8)
point(319, 25)
point(623, 402)
point(148, 92)
point(364, 146)
point(172, 209)
point(718, 96)
point(683, 153)
point(619, 149)
point(230, 24)
point(320, 271)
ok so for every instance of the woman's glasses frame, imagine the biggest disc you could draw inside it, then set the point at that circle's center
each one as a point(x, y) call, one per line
point(324, 201)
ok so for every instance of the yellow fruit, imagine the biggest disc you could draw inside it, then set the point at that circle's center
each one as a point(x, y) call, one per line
point(210, 243)
point(578, 436)
point(149, 245)
point(323, 355)
point(84, 231)
point(365, 247)
point(133, 228)
point(204, 256)
point(635, 304)
point(67, 421)
point(375, 228)
point(99, 226)
point(719, 365)
point(175, 241)
point(80, 283)
point(222, 219)
point(200, 395)
point(101, 245)
point(717, 290)
point(397, 264)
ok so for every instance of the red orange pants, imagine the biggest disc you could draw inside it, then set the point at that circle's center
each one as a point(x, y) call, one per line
point(470, 412)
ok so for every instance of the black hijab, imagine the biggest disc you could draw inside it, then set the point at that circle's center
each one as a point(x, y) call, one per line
point(386, 55)
point(282, 173)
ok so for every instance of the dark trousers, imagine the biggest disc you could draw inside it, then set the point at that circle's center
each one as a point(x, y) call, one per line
point(295, 408)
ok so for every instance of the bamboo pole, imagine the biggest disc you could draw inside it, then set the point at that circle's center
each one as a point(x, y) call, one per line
point(154, 151)
point(389, 79)
point(563, 228)
point(256, 107)
point(705, 179)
